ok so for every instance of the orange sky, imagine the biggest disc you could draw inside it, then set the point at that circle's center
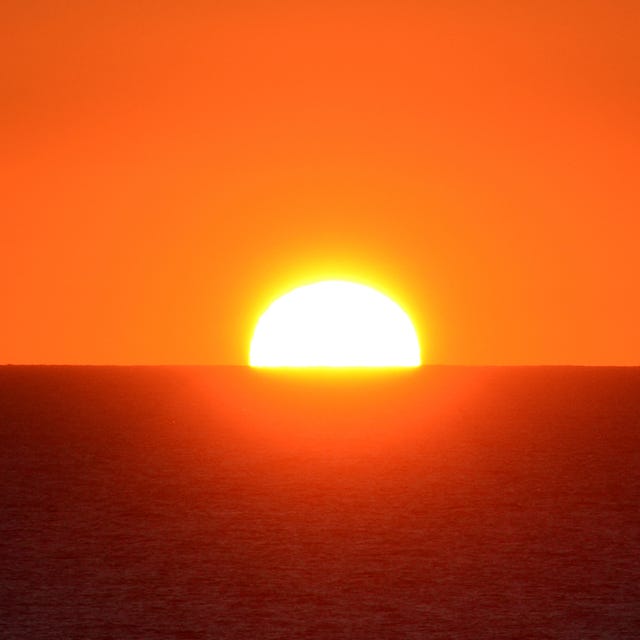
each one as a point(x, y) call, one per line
point(167, 168)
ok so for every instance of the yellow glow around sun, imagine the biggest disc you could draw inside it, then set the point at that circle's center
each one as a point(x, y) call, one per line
point(334, 324)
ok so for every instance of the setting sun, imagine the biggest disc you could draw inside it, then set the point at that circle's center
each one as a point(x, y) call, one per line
point(334, 324)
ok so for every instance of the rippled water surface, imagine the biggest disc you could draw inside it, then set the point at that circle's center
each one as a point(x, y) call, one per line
point(226, 503)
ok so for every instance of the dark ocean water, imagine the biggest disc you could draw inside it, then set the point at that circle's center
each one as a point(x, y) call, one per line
point(227, 503)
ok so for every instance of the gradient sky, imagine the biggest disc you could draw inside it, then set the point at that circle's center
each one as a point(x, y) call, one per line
point(167, 168)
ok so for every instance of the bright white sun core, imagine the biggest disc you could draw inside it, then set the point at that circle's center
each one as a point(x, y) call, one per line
point(334, 323)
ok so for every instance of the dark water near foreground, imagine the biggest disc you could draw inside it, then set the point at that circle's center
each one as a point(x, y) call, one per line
point(226, 503)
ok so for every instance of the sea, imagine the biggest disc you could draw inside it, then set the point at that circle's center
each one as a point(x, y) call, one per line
point(232, 503)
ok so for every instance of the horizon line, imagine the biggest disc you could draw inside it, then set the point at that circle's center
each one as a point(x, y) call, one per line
point(316, 368)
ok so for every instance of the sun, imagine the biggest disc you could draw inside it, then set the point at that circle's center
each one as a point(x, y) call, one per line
point(334, 323)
